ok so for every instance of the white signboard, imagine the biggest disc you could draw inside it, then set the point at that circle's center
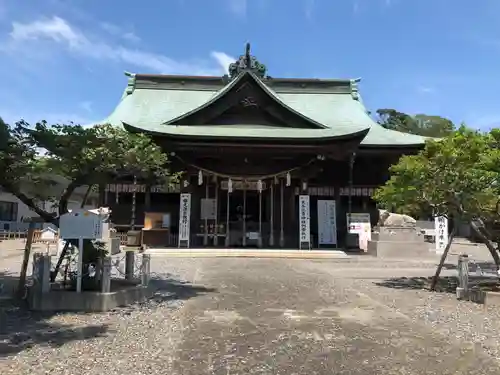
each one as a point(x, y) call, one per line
point(304, 221)
point(208, 209)
point(441, 228)
point(359, 223)
point(48, 234)
point(184, 219)
point(81, 224)
point(327, 222)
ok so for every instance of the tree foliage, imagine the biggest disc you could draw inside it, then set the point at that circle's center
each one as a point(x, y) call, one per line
point(33, 155)
point(456, 176)
point(425, 125)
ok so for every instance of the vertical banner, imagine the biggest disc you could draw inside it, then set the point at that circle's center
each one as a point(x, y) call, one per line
point(441, 228)
point(304, 222)
point(327, 222)
point(184, 219)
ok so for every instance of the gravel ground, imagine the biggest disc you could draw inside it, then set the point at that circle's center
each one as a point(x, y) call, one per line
point(139, 339)
point(464, 321)
point(156, 337)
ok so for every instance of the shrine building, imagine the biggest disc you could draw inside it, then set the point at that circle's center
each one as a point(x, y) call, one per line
point(267, 162)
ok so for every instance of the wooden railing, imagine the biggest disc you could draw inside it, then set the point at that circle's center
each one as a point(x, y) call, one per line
point(22, 235)
point(12, 235)
point(17, 235)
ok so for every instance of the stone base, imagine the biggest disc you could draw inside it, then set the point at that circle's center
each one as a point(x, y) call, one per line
point(401, 249)
point(123, 294)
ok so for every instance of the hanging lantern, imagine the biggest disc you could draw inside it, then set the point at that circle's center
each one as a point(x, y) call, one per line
point(304, 185)
point(229, 186)
point(200, 178)
point(259, 186)
point(185, 183)
point(275, 180)
point(288, 179)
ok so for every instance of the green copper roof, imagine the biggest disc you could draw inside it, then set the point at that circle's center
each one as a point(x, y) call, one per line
point(149, 103)
point(246, 131)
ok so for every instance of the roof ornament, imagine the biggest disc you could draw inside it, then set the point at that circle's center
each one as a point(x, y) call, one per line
point(247, 62)
point(355, 88)
point(130, 82)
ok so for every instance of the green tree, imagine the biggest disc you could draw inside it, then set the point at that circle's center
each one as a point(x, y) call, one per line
point(425, 125)
point(31, 156)
point(457, 176)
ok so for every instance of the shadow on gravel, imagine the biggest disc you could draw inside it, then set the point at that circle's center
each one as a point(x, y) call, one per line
point(446, 284)
point(473, 266)
point(21, 329)
point(169, 289)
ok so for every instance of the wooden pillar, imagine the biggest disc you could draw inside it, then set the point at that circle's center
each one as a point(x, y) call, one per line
point(271, 211)
point(147, 197)
point(216, 221)
point(282, 201)
point(205, 221)
point(244, 239)
point(228, 202)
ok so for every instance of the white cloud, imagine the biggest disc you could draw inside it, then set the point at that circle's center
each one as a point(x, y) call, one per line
point(223, 59)
point(12, 117)
point(309, 8)
point(425, 89)
point(86, 106)
point(59, 31)
point(119, 32)
point(238, 7)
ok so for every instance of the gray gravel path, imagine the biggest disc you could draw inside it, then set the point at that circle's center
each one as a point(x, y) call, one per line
point(262, 316)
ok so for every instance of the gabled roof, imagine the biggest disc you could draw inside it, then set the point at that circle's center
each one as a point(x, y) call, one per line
point(153, 103)
point(232, 89)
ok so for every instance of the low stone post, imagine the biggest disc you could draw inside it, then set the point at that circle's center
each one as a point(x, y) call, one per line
point(106, 275)
point(463, 277)
point(41, 278)
point(145, 269)
point(129, 265)
point(41, 272)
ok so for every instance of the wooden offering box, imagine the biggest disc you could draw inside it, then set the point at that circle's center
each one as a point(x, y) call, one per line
point(156, 231)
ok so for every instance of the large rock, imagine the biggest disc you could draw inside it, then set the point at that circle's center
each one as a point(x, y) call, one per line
point(390, 219)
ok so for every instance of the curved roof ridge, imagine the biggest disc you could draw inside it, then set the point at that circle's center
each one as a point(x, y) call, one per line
point(233, 83)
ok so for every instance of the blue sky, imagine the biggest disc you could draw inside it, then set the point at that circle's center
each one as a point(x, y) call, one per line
point(64, 60)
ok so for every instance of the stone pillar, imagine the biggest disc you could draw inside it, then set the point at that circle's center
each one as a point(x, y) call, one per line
point(145, 269)
point(41, 273)
point(129, 265)
point(106, 275)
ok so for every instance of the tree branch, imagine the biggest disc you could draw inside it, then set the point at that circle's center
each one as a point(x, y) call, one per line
point(30, 202)
point(66, 195)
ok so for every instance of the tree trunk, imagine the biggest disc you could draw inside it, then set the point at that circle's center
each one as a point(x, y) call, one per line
point(26, 258)
point(443, 259)
point(54, 273)
point(48, 217)
point(66, 195)
point(86, 196)
point(489, 244)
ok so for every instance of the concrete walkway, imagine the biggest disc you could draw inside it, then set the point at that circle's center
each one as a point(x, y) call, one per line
point(292, 317)
point(250, 253)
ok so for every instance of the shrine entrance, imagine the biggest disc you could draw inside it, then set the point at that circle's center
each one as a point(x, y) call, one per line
point(246, 217)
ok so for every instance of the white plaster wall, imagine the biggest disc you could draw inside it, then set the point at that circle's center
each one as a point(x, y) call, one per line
point(24, 211)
